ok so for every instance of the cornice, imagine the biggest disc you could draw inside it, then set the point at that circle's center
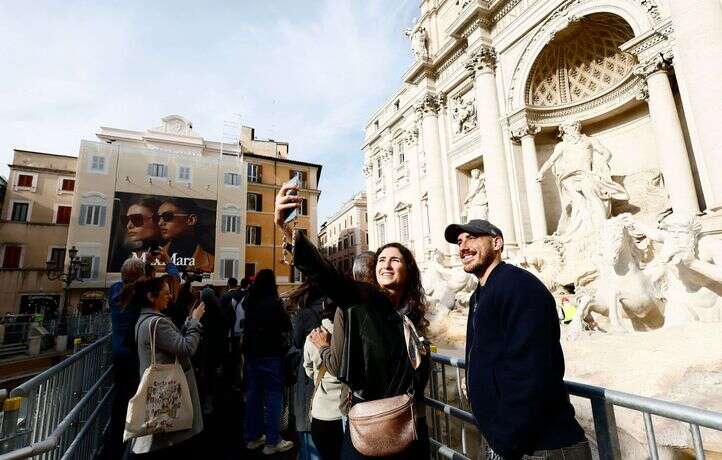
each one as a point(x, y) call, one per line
point(63, 172)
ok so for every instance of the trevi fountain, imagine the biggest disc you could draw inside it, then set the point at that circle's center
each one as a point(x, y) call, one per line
point(588, 131)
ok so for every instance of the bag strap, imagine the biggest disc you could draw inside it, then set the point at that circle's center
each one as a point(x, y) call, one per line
point(153, 327)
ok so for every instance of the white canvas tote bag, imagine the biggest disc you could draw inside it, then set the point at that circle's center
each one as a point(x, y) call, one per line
point(163, 402)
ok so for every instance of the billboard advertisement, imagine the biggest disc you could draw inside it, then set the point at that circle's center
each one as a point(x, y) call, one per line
point(184, 227)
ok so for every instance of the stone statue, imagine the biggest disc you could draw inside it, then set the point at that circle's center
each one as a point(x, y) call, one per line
point(418, 42)
point(687, 271)
point(581, 167)
point(476, 205)
point(446, 287)
point(463, 115)
point(622, 291)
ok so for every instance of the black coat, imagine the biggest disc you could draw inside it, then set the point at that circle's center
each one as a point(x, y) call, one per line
point(375, 361)
point(268, 328)
point(515, 366)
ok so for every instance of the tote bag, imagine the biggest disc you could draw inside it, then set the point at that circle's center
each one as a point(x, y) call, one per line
point(163, 402)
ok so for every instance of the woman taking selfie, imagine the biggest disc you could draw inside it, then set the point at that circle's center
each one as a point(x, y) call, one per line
point(152, 295)
point(384, 355)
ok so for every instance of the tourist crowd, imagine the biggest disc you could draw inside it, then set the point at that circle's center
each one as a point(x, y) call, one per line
point(345, 358)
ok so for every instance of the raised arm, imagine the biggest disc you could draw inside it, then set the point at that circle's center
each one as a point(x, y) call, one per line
point(308, 259)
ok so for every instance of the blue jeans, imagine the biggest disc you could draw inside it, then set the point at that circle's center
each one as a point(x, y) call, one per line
point(306, 448)
point(264, 390)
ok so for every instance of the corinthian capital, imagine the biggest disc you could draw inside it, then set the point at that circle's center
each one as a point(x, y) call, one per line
point(661, 62)
point(521, 131)
point(482, 60)
point(428, 105)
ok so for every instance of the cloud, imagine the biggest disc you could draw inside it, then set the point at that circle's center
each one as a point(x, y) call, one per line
point(307, 73)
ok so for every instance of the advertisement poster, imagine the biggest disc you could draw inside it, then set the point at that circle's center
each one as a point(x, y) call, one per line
point(184, 227)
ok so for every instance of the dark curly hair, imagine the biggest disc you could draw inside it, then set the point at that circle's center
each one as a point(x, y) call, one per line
point(413, 296)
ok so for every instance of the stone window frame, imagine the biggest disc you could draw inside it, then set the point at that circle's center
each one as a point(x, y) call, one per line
point(231, 218)
point(181, 179)
point(11, 205)
point(59, 187)
point(16, 183)
point(98, 170)
point(21, 260)
point(402, 210)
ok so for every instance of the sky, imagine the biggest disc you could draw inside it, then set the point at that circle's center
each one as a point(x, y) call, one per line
point(309, 73)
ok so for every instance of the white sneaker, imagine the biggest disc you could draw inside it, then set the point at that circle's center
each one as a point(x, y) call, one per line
point(282, 446)
point(255, 444)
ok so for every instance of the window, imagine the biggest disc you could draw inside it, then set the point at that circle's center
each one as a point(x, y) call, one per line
point(231, 224)
point(89, 267)
point(255, 202)
point(301, 176)
point(11, 256)
point(404, 227)
point(63, 215)
point(232, 179)
point(254, 173)
point(253, 235)
point(25, 180)
point(229, 268)
point(67, 185)
point(231, 219)
point(20, 212)
point(304, 207)
point(92, 215)
point(250, 270)
point(402, 153)
point(350, 220)
point(380, 233)
point(157, 170)
point(57, 258)
point(184, 174)
point(353, 239)
point(378, 168)
point(97, 164)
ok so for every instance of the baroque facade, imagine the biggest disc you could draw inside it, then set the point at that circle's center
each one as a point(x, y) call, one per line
point(474, 131)
point(345, 234)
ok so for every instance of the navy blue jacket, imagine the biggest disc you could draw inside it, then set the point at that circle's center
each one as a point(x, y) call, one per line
point(515, 366)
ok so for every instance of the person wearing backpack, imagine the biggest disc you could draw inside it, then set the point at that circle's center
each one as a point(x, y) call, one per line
point(232, 301)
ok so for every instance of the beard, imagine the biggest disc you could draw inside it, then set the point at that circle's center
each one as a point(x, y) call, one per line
point(479, 267)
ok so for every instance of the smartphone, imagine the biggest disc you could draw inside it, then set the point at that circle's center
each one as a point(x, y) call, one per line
point(296, 182)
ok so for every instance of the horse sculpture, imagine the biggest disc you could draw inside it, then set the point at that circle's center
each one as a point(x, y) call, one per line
point(621, 290)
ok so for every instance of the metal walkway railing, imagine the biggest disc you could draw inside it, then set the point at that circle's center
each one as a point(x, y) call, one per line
point(602, 402)
point(61, 413)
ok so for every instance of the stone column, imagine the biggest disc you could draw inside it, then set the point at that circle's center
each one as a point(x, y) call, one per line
point(482, 65)
point(427, 109)
point(673, 156)
point(537, 216)
point(698, 40)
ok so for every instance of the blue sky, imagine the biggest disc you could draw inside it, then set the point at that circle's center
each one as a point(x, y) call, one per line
point(310, 73)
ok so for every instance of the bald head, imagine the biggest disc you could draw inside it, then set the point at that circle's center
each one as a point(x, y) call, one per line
point(363, 267)
point(132, 269)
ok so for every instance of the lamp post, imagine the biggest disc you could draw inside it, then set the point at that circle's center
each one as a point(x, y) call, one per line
point(73, 274)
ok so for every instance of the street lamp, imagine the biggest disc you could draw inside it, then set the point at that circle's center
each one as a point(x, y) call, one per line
point(53, 272)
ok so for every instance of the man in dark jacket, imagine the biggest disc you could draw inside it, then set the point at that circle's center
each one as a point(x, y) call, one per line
point(515, 364)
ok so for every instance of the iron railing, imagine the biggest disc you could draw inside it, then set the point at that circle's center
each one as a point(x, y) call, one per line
point(61, 413)
point(602, 400)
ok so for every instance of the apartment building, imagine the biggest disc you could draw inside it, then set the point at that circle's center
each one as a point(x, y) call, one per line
point(210, 204)
point(36, 212)
point(345, 234)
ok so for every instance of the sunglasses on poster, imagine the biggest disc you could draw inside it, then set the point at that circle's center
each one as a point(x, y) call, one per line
point(136, 219)
point(167, 216)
